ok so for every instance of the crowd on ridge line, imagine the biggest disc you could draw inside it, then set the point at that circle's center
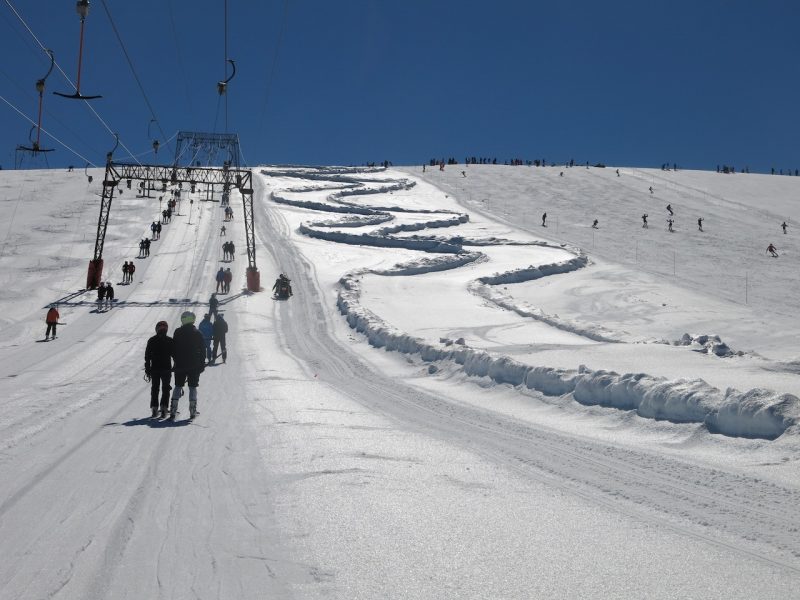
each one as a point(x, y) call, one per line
point(484, 160)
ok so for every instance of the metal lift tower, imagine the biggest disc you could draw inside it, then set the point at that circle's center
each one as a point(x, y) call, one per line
point(230, 174)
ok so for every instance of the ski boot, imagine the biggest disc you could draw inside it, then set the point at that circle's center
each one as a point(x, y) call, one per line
point(155, 413)
point(192, 402)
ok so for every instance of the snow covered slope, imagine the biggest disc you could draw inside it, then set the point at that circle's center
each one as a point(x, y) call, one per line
point(541, 426)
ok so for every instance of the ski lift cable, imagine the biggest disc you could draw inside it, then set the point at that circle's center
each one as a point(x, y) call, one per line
point(275, 57)
point(133, 69)
point(244, 160)
point(181, 66)
point(216, 116)
point(225, 67)
point(11, 222)
point(23, 37)
point(63, 74)
point(151, 151)
point(32, 122)
point(50, 114)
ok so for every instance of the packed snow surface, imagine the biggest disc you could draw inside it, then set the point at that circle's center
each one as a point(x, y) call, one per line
point(460, 399)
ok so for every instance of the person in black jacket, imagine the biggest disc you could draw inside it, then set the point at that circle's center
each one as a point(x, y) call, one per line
point(189, 353)
point(220, 329)
point(158, 367)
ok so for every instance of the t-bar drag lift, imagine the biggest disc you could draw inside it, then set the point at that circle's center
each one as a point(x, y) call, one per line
point(35, 147)
point(222, 86)
point(82, 7)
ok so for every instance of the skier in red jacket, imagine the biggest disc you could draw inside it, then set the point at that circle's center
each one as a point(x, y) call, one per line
point(52, 320)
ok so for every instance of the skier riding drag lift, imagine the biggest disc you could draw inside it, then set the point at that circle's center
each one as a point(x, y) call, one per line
point(82, 8)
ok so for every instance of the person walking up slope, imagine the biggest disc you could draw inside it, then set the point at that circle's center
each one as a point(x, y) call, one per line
point(189, 355)
point(220, 330)
point(158, 367)
point(109, 295)
point(206, 327)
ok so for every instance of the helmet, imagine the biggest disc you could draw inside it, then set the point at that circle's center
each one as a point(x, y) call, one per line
point(187, 317)
point(162, 326)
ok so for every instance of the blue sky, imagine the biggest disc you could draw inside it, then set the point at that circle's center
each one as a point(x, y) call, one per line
point(620, 82)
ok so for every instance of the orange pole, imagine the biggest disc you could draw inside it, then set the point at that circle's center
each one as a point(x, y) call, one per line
point(80, 58)
point(39, 126)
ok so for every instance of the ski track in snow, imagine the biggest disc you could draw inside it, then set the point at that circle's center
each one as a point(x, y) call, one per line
point(734, 511)
point(753, 413)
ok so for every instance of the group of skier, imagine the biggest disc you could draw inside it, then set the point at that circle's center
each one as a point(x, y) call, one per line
point(105, 295)
point(228, 251)
point(214, 333)
point(224, 277)
point(184, 355)
point(144, 248)
point(128, 269)
point(155, 228)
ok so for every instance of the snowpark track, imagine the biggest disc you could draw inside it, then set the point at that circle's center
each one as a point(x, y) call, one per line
point(744, 514)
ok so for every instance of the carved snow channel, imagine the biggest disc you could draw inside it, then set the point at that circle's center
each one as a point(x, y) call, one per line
point(463, 261)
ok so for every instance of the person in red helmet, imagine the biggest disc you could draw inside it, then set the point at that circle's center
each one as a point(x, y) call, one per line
point(158, 368)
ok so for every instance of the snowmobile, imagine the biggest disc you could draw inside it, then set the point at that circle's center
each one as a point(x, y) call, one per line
point(283, 288)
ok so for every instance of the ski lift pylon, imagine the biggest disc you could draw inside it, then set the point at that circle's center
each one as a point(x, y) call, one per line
point(82, 8)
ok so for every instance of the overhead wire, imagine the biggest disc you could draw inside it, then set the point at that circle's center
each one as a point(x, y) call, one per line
point(60, 70)
point(225, 65)
point(275, 57)
point(50, 114)
point(152, 151)
point(216, 114)
point(32, 122)
point(181, 67)
point(133, 69)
